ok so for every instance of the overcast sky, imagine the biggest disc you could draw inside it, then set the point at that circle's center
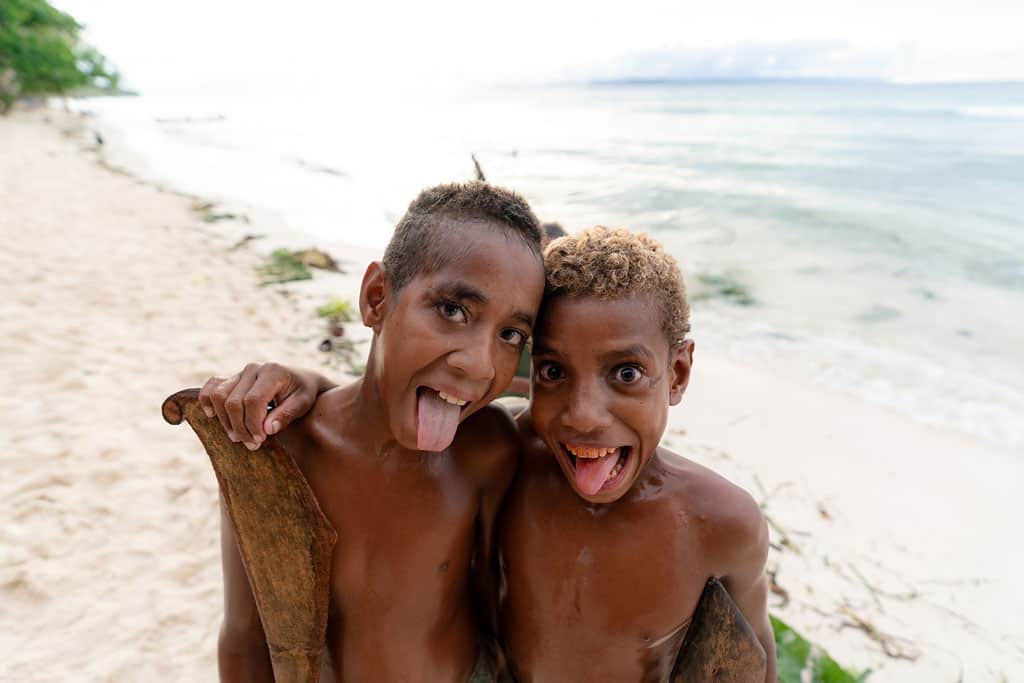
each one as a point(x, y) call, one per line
point(166, 46)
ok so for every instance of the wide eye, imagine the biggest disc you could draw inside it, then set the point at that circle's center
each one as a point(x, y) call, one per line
point(628, 374)
point(450, 310)
point(513, 336)
point(550, 372)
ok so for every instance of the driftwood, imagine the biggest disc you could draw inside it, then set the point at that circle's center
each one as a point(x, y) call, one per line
point(720, 646)
point(284, 539)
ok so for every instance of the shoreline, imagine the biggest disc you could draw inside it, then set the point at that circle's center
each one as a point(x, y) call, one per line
point(124, 292)
point(813, 279)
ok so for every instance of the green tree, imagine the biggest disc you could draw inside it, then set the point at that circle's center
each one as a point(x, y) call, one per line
point(41, 52)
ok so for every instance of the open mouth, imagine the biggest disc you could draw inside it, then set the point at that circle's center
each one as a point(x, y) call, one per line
point(596, 468)
point(438, 414)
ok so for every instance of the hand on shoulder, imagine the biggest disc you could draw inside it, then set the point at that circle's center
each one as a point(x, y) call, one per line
point(242, 401)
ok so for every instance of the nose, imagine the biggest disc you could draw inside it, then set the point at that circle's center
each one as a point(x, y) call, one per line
point(586, 411)
point(474, 359)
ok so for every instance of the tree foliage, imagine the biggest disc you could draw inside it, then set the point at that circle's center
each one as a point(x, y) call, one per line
point(41, 52)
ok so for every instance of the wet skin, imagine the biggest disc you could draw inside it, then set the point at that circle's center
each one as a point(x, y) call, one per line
point(409, 583)
point(602, 586)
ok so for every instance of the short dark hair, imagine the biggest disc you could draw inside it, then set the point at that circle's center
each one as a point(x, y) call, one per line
point(418, 245)
point(552, 231)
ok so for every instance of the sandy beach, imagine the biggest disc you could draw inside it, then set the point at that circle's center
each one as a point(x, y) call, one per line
point(893, 543)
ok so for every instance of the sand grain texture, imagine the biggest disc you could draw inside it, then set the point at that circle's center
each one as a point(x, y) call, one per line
point(109, 550)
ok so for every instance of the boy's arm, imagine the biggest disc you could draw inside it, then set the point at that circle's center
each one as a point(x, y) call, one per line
point(746, 580)
point(242, 652)
point(240, 402)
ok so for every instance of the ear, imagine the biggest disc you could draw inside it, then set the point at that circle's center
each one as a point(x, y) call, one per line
point(374, 296)
point(681, 361)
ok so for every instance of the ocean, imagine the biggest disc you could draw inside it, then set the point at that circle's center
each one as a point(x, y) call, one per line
point(864, 237)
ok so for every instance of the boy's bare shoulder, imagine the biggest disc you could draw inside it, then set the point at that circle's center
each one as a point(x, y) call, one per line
point(487, 443)
point(322, 428)
point(729, 522)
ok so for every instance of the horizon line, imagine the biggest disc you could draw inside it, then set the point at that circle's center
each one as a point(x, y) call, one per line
point(750, 80)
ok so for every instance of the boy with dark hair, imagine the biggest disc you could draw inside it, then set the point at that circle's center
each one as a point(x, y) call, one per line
point(413, 503)
point(607, 540)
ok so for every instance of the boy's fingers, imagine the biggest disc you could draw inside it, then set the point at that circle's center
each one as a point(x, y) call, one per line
point(268, 386)
point(205, 393)
point(294, 406)
point(218, 395)
point(235, 405)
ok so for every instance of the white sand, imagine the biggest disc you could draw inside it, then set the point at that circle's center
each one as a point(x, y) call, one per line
point(922, 516)
point(109, 551)
point(109, 561)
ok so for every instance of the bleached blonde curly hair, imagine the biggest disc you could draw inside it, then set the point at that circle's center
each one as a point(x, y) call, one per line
point(610, 263)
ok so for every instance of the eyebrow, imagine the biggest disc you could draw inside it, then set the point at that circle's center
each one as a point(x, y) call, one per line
point(542, 350)
point(461, 291)
point(523, 317)
point(632, 350)
point(629, 352)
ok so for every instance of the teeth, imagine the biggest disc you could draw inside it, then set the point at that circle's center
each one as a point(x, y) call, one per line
point(590, 451)
point(451, 399)
point(615, 470)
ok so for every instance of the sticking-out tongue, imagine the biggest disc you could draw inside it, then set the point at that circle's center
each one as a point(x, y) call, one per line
point(438, 421)
point(591, 473)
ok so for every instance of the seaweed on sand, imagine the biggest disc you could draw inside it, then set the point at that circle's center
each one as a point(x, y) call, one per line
point(718, 286)
point(282, 266)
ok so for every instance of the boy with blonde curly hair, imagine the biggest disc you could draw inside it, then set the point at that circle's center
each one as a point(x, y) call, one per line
point(607, 540)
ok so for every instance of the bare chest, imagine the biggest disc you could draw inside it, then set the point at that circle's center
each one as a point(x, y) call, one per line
point(405, 532)
point(589, 592)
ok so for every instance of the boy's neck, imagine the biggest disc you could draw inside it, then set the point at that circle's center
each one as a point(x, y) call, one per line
point(367, 414)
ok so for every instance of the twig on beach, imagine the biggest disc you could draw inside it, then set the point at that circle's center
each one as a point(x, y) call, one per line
point(784, 538)
point(970, 581)
point(893, 646)
point(876, 591)
point(479, 171)
point(775, 588)
point(871, 589)
point(968, 623)
point(765, 496)
point(245, 240)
